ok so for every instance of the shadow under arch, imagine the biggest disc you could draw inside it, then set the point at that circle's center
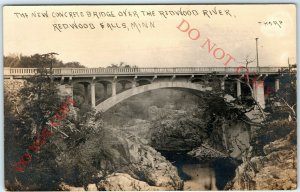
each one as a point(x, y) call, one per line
point(81, 91)
point(103, 90)
point(142, 82)
point(123, 85)
point(188, 86)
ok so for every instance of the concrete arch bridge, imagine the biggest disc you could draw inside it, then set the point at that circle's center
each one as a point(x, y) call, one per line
point(105, 87)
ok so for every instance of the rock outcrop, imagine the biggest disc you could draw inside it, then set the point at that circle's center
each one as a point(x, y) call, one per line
point(92, 187)
point(173, 131)
point(128, 154)
point(277, 170)
point(65, 187)
point(207, 152)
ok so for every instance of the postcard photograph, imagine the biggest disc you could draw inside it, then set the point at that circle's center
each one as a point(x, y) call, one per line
point(150, 97)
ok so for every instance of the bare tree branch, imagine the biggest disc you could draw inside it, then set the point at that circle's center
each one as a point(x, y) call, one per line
point(252, 96)
point(290, 107)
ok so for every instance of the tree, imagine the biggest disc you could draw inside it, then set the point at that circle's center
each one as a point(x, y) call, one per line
point(121, 65)
point(286, 95)
point(73, 64)
point(58, 159)
point(11, 60)
point(247, 80)
point(33, 61)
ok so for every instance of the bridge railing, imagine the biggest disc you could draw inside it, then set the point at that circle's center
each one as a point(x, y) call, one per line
point(116, 71)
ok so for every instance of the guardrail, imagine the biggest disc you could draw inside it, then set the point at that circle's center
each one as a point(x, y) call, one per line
point(136, 71)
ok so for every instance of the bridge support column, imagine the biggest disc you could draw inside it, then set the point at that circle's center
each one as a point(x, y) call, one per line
point(133, 84)
point(258, 92)
point(114, 88)
point(238, 89)
point(93, 95)
point(223, 85)
point(276, 85)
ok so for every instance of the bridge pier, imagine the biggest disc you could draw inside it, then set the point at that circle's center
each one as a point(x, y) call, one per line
point(93, 95)
point(276, 85)
point(238, 89)
point(259, 93)
point(114, 88)
point(134, 82)
point(223, 84)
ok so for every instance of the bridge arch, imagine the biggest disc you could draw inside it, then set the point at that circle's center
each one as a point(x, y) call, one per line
point(110, 102)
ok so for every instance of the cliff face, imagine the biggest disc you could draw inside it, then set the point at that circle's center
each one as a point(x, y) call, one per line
point(146, 164)
point(180, 130)
point(128, 157)
point(277, 169)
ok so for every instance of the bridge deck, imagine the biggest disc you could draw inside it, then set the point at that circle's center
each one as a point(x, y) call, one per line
point(144, 71)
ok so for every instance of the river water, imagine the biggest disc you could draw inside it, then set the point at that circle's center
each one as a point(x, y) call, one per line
point(201, 175)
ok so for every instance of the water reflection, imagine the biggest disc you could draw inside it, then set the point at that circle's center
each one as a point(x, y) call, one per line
point(201, 175)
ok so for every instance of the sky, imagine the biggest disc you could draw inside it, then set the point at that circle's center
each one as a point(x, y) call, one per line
point(233, 31)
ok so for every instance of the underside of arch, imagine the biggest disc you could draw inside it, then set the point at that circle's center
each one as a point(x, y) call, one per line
point(110, 102)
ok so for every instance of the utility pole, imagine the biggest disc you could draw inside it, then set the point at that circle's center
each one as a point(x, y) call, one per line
point(256, 39)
